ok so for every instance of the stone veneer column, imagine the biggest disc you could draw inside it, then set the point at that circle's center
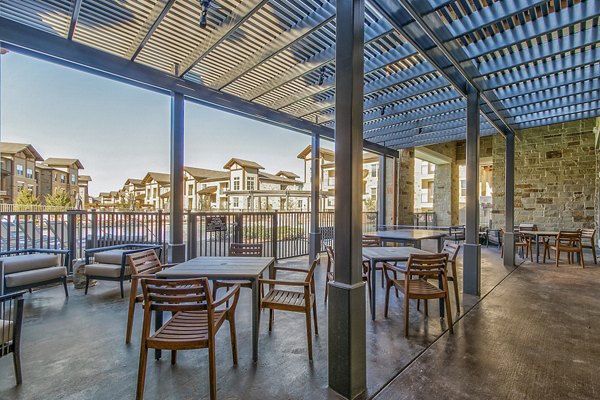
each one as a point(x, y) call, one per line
point(405, 181)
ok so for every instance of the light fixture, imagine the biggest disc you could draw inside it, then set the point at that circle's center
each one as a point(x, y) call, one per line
point(204, 4)
point(321, 75)
point(383, 110)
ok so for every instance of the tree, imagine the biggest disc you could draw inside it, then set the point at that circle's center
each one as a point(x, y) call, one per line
point(26, 198)
point(59, 199)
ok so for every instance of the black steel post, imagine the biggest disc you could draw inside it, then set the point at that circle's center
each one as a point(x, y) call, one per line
point(315, 189)
point(472, 248)
point(347, 311)
point(509, 192)
point(176, 245)
point(381, 191)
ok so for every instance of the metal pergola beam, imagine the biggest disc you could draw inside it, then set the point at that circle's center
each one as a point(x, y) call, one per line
point(434, 135)
point(74, 19)
point(20, 38)
point(156, 16)
point(389, 138)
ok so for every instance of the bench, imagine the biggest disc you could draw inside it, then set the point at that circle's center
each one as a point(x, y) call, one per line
point(110, 263)
point(29, 268)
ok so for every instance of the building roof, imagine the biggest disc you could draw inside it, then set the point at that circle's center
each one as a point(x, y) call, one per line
point(208, 190)
point(243, 164)
point(14, 148)
point(281, 179)
point(159, 177)
point(63, 162)
point(84, 178)
point(203, 173)
point(134, 182)
point(288, 174)
point(327, 154)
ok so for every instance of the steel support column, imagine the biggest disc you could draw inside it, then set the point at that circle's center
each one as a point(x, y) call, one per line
point(472, 248)
point(315, 189)
point(381, 191)
point(509, 192)
point(176, 245)
point(347, 311)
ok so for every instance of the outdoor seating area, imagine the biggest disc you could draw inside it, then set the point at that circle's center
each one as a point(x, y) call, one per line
point(441, 243)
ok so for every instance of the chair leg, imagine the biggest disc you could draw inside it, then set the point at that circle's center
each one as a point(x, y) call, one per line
point(17, 364)
point(173, 357)
point(271, 317)
point(315, 317)
point(426, 307)
point(87, 284)
point(405, 314)
point(581, 258)
point(557, 255)
point(594, 251)
point(448, 310)
point(233, 337)
point(308, 333)
point(212, 369)
point(131, 311)
point(122, 291)
point(142, 372)
point(326, 291)
point(65, 286)
point(396, 287)
point(388, 286)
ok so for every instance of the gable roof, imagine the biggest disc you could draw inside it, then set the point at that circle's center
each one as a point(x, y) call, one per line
point(288, 174)
point(134, 182)
point(243, 164)
point(159, 177)
point(14, 148)
point(327, 154)
point(202, 173)
point(85, 178)
point(63, 162)
point(277, 178)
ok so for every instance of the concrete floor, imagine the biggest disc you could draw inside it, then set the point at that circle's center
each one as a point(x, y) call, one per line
point(74, 348)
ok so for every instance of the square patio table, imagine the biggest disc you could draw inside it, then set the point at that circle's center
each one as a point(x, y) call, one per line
point(224, 268)
point(387, 254)
point(538, 235)
point(413, 236)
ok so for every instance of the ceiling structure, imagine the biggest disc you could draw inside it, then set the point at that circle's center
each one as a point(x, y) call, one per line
point(534, 62)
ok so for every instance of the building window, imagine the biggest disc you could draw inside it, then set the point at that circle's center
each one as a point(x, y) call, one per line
point(154, 192)
point(463, 188)
point(19, 169)
point(374, 193)
point(55, 177)
point(29, 174)
point(249, 183)
point(63, 178)
point(190, 190)
point(236, 183)
point(73, 179)
point(236, 202)
point(374, 170)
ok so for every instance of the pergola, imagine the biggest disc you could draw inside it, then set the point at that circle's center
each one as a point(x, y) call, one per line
point(406, 73)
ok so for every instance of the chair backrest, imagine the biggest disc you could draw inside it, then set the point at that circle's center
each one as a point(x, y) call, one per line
point(588, 233)
point(426, 264)
point(371, 241)
point(144, 262)
point(246, 249)
point(451, 249)
point(177, 295)
point(330, 257)
point(572, 238)
point(311, 272)
point(11, 319)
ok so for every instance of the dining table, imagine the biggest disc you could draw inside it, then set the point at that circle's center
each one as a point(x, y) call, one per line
point(413, 237)
point(390, 254)
point(224, 268)
point(539, 235)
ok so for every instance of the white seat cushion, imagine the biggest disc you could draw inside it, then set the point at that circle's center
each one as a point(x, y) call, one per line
point(27, 278)
point(26, 262)
point(110, 256)
point(105, 270)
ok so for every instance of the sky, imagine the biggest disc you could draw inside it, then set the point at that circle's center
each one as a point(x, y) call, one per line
point(119, 131)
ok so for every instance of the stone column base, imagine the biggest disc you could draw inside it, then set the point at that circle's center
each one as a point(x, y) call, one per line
point(176, 253)
point(509, 250)
point(472, 269)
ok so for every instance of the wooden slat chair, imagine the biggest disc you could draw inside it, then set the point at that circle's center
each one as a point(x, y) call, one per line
point(144, 264)
point(195, 322)
point(421, 267)
point(566, 242)
point(369, 241)
point(11, 322)
point(588, 241)
point(452, 250)
point(239, 250)
point(290, 300)
point(330, 276)
point(522, 243)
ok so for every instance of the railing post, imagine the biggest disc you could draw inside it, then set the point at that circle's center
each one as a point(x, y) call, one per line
point(274, 238)
point(94, 238)
point(239, 228)
point(159, 227)
point(192, 235)
point(72, 221)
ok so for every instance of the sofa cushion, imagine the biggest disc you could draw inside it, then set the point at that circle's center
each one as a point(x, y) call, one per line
point(6, 331)
point(105, 270)
point(110, 256)
point(27, 278)
point(26, 262)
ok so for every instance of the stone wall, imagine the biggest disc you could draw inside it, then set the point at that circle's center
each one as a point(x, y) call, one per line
point(405, 187)
point(555, 176)
point(389, 190)
point(446, 186)
point(486, 145)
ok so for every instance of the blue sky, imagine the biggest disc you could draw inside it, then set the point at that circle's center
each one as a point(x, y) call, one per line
point(119, 131)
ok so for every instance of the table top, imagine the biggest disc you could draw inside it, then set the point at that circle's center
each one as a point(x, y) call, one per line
point(407, 234)
point(540, 233)
point(219, 267)
point(390, 253)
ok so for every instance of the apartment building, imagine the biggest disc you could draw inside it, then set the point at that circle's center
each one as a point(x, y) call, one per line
point(59, 174)
point(133, 193)
point(17, 171)
point(84, 192)
point(205, 189)
point(158, 190)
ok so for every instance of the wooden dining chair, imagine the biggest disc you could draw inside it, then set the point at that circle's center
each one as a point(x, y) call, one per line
point(370, 241)
point(195, 322)
point(566, 242)
point(588, 241)
point(239, 250)
point(330, 276)
point(522, 243)
point(11, 325)
point(292, 300)
point(144, 264)
point(452, 250)
point(415, 284)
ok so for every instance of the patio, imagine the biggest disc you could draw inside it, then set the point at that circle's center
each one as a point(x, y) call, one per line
point(80, 343)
